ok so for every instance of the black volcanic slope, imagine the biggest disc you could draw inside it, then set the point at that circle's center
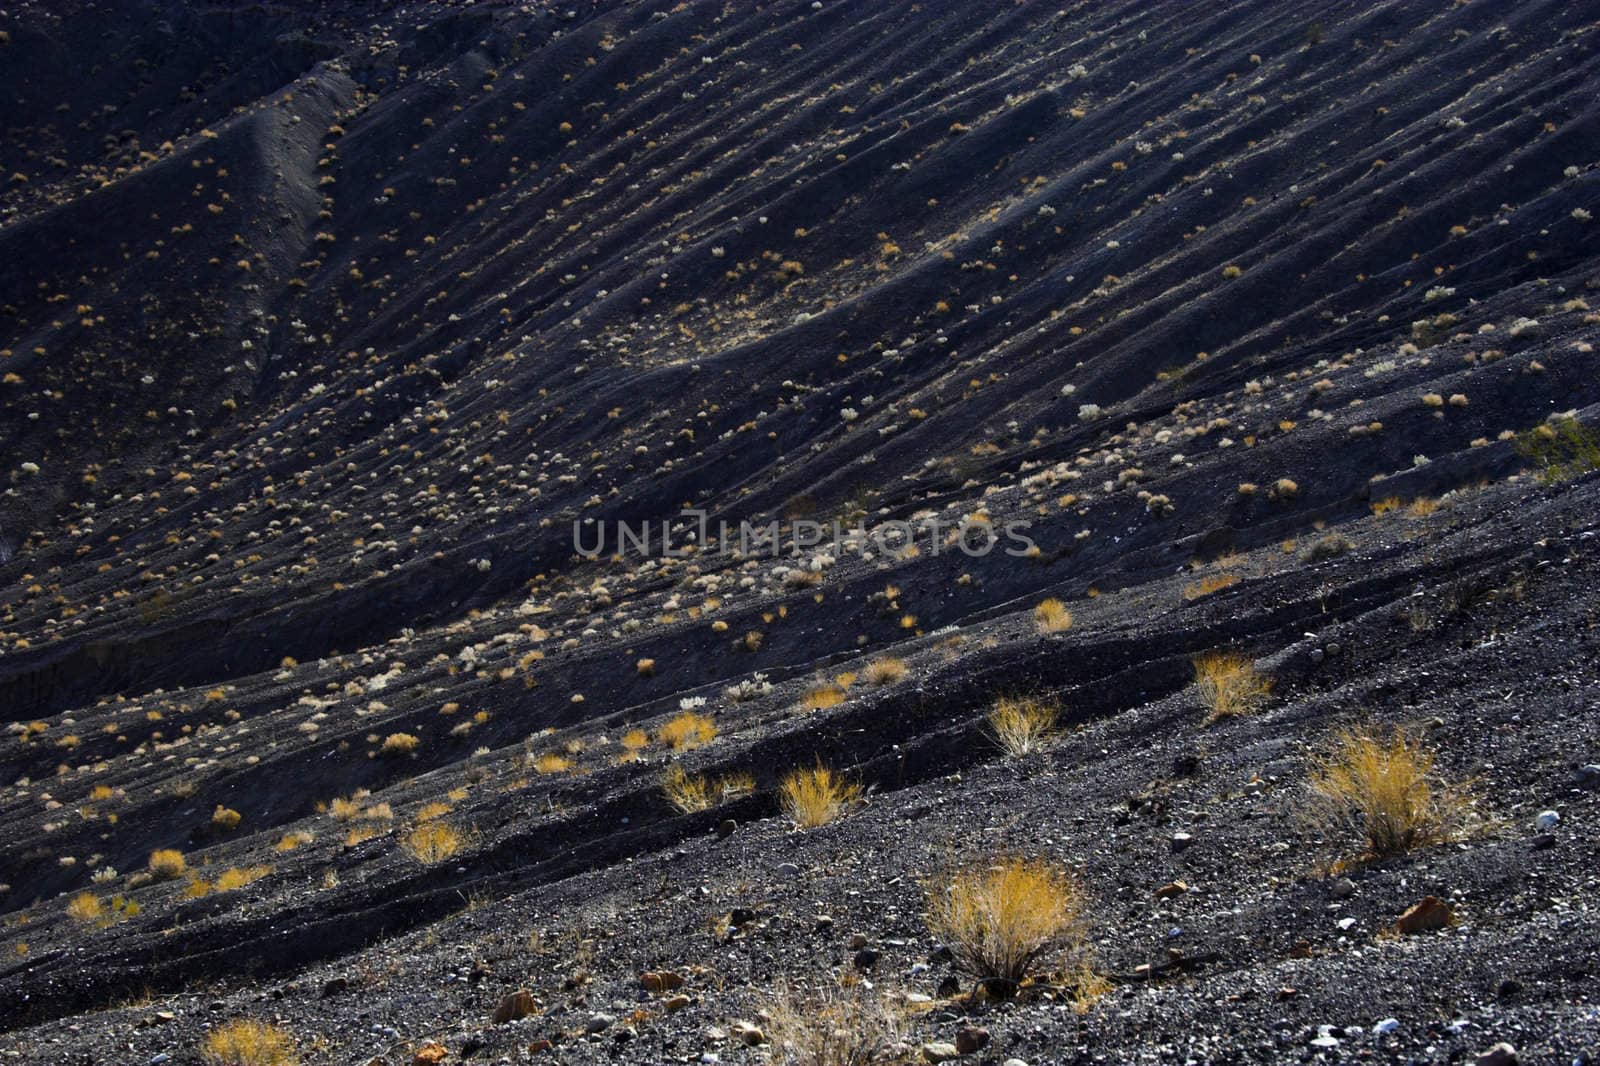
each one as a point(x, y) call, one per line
point(324, 325)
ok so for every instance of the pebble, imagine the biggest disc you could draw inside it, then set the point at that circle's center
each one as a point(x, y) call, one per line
point(1014, 1062)
point(939, 1052)
point(788, 869)
point(1180, 841)
point(1588, 776)
point(1388, 1025)
point(726, 828)
point(970, 1038)
point(858, 941)
point(1547, 820)
point(1502, 1054)
point(598, 1023)
point(1344, 888)
point(748, 1034)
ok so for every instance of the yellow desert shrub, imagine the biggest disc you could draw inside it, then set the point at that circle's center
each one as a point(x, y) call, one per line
point(1052, 616)
point(1383, 789)
point(1021, 724)
point(432, 842)
point(687, 730)
point(1229, 684)
point(999, 918)
point(816, 796)
point(246, 1042)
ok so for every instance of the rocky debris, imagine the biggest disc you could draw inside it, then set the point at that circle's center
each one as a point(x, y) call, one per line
point(748, 1033)
point(661, 981)
point(971, 1038)
point(1588, 775)
point(1428, 914)
point(513, 1006)
point(599, 1022)
point(1501, 1054)
point(429, 1053)
point(1171, 889)
point(939, 1052)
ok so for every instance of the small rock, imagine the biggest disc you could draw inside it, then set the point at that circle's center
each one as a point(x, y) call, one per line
point(1287, 993)
point(598, 1023)
point(1542, 841)
point(1014, 1062)
point(788, 869)
point(1343, 888)
point(748, 1034)
point(939, 1052)
point(1181, 841)
point(1317, 655)
point(429, 1054)
point(539, 1045)
point(334, 985)
point(1430, 913)
point(675, 1003)
point(824, 923)
point(866, 958)
point(858, 941)
point(661, 981)
point(726, 828)
point(1502, 1054)
point(1170, 889)
point(1388, 1025)
point(158, 1059)
point(624, 1033)
point(713, 1034)
point(1508, 988)
point(1588, 776)
point(1547, 820)
point(514, 1005)
point(970, 1038)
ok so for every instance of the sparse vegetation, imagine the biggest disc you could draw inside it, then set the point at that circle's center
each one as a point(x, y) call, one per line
point(1000, 917)
point(1052, 616)
point(885, 671)
point(841, 1023)
point(687, 730)
point(816, 797)
point(1561, 449)
point(166, 864)
point(1229, 684)
point(1382, 788)
point(432, 842)
point(246, 1042)
point(399, 744)
point(1022, 724)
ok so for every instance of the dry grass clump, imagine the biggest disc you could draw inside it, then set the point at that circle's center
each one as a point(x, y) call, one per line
point(240, 876)
point(552, 763)
point(634, 740)
point(1229, 684)
point(166, 864)
point(399, 744)
point(245, 1042)
point(687, 730)
point(696, 792)
point(1384, 788)
point(1052, 616)
point(884, 671)
point(999, 918)
point(816, 797)
point(225, 818)
point(429, 811)
point(843, 1023)
point(821, 697)
point(1209, 584)
point(1022, 724)
point(432, 842)
point(85, 907)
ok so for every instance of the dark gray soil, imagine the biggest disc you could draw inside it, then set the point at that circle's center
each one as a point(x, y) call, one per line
point(323, 324)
